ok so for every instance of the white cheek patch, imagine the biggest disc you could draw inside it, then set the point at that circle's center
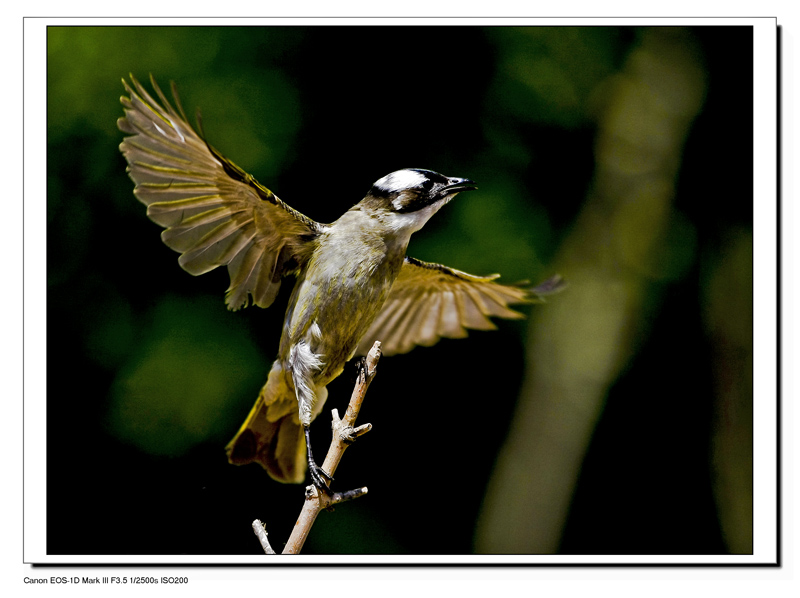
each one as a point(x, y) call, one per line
point(400, 201)
point(399, 180)
point(412, 221)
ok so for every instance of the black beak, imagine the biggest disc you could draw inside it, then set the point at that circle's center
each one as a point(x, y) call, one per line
point(456, 185)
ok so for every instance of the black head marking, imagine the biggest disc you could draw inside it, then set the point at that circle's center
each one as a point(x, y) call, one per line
point(412, 189)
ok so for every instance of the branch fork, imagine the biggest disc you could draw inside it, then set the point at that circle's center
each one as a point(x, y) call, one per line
point(346, 433)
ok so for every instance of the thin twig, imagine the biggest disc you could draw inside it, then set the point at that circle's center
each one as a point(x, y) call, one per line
point(344, 434)
point(261, 534)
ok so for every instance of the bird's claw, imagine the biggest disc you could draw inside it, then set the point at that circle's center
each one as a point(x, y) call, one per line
point(361, 366)
point(316, 477)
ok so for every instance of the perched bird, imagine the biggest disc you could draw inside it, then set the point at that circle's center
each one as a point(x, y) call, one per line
point(354, 284)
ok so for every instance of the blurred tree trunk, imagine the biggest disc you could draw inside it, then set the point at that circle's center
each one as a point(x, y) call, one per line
point(728, 317)
point(583, 338)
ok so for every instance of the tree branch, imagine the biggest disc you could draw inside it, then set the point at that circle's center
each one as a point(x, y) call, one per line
point(344, 434)
point(261, 533)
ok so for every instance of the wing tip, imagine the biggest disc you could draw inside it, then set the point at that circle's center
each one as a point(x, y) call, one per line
point(234, 301)
point(551, 286)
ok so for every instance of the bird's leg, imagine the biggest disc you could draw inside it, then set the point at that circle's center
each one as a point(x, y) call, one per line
point(315, 470)
point(361, 367)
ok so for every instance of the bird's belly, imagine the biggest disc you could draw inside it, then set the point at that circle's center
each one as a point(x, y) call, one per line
point(331, 314)
point(344, 321)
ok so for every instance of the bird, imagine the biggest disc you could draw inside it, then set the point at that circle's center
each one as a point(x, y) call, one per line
point(354, 283)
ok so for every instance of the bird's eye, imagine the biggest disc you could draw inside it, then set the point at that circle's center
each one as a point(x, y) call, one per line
point(427, 185)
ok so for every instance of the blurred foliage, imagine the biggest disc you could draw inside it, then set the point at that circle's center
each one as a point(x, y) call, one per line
point(178, 386)
point(166, 375)
point(547, 75)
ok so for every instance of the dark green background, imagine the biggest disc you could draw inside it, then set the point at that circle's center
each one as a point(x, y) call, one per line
point(149, 375)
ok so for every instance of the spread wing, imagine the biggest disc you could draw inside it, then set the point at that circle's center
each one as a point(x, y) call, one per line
point(214, 213)
point(431, 301)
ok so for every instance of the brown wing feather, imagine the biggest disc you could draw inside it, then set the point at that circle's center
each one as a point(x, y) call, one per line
point(431, 301)
point(214, 213)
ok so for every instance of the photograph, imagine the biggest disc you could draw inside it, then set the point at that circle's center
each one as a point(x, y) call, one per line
point(548, 229)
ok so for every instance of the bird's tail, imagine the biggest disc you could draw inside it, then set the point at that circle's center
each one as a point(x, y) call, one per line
point(272, 435)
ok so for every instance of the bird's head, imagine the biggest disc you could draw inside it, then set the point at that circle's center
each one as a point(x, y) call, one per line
point(409, 197)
